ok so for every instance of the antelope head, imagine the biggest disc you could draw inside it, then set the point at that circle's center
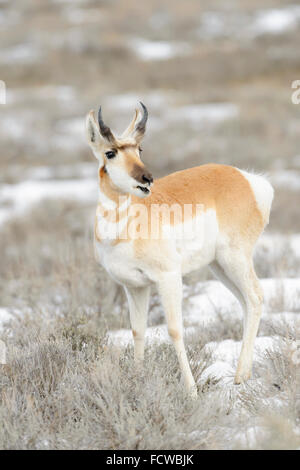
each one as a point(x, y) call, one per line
point(120, 157)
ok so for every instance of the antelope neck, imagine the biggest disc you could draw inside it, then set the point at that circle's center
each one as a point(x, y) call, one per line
point(108, 197)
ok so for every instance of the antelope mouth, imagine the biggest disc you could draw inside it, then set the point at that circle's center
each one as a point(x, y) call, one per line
point(144, 189)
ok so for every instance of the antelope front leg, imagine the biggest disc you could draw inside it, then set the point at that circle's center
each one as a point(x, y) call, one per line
point(138, 300)
point(170, 290)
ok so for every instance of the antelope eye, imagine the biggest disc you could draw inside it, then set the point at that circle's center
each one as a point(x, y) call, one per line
point(110, 154)
point(140, 149)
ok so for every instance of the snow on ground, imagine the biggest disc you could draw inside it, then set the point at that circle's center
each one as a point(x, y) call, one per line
point(276, 21)
point(5, 316)
point(158, 50)
point(223, 355)
point(19, 198)
point(154, 334)
point(220, 370)
point(215, 301)
point(232, 24)
point(216, 304)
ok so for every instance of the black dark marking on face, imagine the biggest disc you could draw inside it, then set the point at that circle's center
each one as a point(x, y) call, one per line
point(141, 174)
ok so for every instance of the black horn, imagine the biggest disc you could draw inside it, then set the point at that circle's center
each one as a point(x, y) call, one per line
point(141, 126)
point(104, 129)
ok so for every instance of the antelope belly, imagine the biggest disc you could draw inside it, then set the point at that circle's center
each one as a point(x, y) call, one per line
point(196, 241)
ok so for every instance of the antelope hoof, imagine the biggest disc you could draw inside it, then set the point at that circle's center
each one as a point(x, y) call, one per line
point(242, 378)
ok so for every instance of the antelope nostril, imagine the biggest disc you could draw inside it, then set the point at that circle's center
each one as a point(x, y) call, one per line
point(148, 178)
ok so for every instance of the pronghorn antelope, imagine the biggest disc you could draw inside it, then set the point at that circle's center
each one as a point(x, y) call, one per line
point(233, 208)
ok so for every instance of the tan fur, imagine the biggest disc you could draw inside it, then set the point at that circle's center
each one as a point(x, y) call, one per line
point(220, 187)
point(234, 208)
point(215, 186)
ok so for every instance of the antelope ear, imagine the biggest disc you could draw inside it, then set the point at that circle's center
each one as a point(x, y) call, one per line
point(92, 130)
point(94, 138)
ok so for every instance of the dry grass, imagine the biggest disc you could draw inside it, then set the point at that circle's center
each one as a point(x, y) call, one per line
point(64, 387)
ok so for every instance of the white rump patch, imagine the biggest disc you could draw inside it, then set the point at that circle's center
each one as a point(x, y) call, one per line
point(263, 192)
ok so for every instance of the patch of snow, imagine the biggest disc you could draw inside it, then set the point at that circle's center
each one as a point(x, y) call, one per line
point(229, 350)
point(5, 316)
point(158, 50)
point(23, 196)
point(276, 21)
point(219, 371)
point(216, 302)
point(154, 334)
point(210, 303)
point(124, 337)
